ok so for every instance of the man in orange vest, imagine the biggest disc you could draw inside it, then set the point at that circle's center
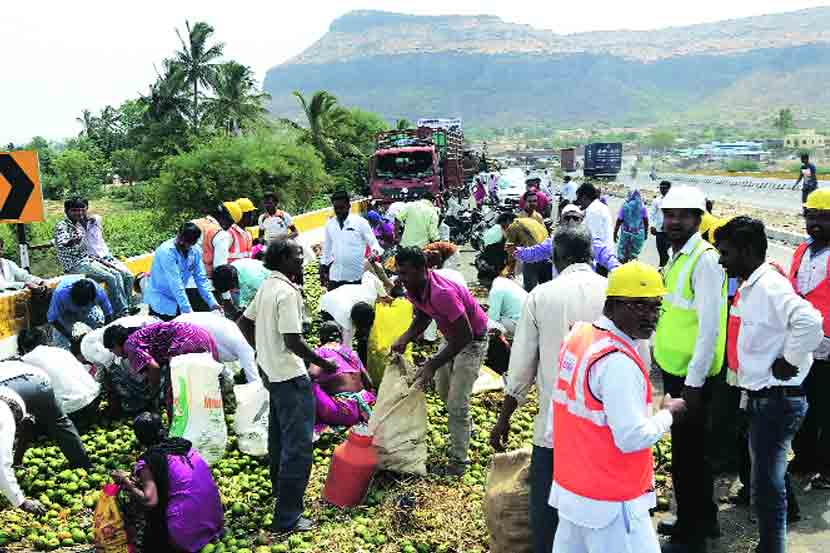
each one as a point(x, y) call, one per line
point(810, 276)
point(603, 430)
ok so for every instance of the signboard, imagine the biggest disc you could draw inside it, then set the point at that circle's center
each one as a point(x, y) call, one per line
point(450, 124)
point(21, 196)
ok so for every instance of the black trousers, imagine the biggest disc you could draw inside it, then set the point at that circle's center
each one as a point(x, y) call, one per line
point(691, 469)
point(334, 284)
point(663, 246)
point(812, 442)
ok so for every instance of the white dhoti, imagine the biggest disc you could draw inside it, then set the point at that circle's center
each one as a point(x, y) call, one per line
point(623, 535)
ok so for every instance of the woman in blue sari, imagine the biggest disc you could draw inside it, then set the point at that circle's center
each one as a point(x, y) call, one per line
point(630, 230)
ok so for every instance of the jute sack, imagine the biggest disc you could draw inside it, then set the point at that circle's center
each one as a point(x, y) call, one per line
point(506, 502)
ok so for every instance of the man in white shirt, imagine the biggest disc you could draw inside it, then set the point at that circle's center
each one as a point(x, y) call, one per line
point(689, 347)
point(275, 223)
point(567, 193)
point(344, 244)
point(810, 276)
point(603, 430)
point(75, 389)
point(230, 342)
point(273, 325)
point(12, 415)
point(549, 311)
point(772, 334)
point(35, 388)
point(12, 277)
point(655, 216)
point(352, 307)
point(597, 217)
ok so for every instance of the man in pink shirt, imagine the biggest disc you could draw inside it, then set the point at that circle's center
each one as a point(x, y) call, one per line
point(463, 324)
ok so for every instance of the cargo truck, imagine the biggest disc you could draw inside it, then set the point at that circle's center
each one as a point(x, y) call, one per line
point(408, 163)
point(603, 159)
point(567, 159)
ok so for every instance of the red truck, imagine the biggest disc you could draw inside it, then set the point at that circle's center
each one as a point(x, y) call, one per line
point(407, 163)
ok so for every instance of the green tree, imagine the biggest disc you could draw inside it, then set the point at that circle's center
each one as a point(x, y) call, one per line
point(325, 119)
point(248, 165)
point(238, 103)
point(660, 140)
point(403, 124)
point(75, 173)
point(198, 61)
point(127, 164)
point(784, 120)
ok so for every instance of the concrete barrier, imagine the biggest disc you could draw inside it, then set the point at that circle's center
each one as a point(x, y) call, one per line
point(15, 311)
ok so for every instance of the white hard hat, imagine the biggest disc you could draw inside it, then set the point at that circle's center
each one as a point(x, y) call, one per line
point(571, 208)
point(684, 197)
point(10, 396)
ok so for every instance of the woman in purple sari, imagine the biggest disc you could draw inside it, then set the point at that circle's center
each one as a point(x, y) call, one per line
point(183, 510)
point(343, 398)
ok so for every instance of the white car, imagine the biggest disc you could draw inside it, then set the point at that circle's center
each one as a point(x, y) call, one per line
point(512, 185)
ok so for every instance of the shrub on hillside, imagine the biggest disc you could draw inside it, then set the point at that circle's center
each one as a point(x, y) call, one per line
point(742, 165)
point(227, 168)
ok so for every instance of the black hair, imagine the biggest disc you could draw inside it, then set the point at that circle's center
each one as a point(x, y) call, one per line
point(273, 194)
point(276, 252)
point(74, 203)
point(505, 218)
point(260, 254)
point(567, 178)
point(82, 292)
point(666, 183)
point(190, 232)
point(744, 233)
point(428, 196)
point(30, 338)
point(330, 332)
point(224, 277)
point(116, 335)
point(222, 212)
point(588, 190)
point(363, 315)
point(411, 256)
point(340, 195)
point(530, 193)
point(805, 155)
point(149, 429)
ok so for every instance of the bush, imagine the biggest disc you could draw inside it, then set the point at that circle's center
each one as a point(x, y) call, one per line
point(742, 166)
point(139, 194)
point(75, 173)
point(227, 168)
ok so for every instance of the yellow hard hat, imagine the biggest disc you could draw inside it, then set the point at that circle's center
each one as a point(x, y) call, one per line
point(635, 280)
point(234, 210)
point(245, 205)
point(819, 199)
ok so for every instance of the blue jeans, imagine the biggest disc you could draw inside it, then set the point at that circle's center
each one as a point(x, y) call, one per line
point(290, 429)
point(773, 421)
point(543, 517)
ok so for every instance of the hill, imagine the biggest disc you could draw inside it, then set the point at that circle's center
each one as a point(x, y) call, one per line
point(497, 73)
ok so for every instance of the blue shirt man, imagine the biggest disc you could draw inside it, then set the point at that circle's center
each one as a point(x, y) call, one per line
point(174, 263)
point(74, 301)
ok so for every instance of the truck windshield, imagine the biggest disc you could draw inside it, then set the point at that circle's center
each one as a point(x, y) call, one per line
point(404, 165)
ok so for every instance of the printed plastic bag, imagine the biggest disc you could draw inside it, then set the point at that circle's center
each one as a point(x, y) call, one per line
point(109, 528)
point(391, 321)
point(488, 381)
point(399, 421)
point(198, 414)
point(251, 420)
point(506, 502)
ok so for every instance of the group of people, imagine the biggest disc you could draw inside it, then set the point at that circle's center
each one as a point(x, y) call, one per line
point(581, 319)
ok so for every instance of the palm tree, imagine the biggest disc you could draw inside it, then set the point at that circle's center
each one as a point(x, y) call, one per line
point(238, 101)
point(325, 118)
point(166, 99)
point(88, 122)
point(198, 61)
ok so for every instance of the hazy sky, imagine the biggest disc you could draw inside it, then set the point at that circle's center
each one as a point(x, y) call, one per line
point(61, 57)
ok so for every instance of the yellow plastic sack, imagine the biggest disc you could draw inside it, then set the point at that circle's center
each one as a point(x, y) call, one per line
point(391, 321)
point(110, 531)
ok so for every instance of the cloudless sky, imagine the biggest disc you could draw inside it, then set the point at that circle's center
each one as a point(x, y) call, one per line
point(60, 57)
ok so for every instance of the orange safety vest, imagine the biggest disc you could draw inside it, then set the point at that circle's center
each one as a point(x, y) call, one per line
point(820, 296)
point(241, 245)
point(209, 228)
point(587, 462)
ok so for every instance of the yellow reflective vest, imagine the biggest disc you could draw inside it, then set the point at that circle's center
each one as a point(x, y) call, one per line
point(677, 328)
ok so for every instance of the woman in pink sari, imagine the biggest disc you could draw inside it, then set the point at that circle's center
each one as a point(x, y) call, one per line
point(479, 193)
point(343, 398)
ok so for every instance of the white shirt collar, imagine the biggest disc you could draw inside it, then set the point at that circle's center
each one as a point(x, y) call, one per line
point(757, 274)
point(577, 268)
point(691, 244)
point(607, 324)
